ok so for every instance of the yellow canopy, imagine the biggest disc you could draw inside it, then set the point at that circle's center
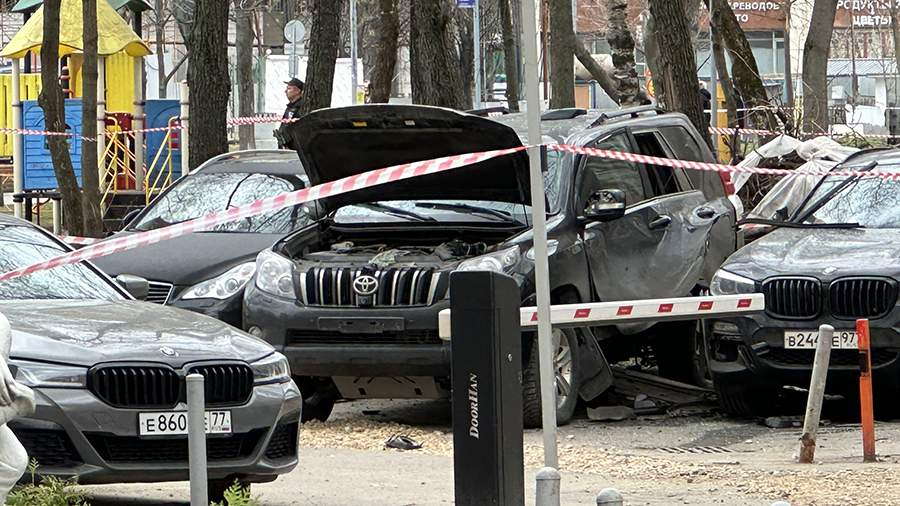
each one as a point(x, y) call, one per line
point(114, 33)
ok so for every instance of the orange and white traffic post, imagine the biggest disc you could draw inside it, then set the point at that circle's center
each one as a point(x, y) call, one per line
point(867, 415)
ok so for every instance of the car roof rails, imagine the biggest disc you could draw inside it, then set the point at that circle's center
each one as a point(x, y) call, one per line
point(632, 112)
point(489, 111)
point(567, 113)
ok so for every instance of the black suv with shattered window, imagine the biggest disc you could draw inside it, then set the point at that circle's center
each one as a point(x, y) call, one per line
point(834, 261)
point(353, 299)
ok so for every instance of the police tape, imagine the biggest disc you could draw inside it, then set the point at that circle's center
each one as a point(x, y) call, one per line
point(357, 182)
point(78, 241)
point(96, 249)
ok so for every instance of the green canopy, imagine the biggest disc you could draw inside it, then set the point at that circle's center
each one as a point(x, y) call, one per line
point(132, 5)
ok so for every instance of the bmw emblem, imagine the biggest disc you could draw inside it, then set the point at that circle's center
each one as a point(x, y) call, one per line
point(829, 270)
point(169, 352)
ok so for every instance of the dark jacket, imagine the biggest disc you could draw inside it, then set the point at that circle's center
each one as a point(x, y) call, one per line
point(292, 111)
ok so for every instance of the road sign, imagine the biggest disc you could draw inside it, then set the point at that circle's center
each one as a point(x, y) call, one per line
point(465, 4)
point(294, 31)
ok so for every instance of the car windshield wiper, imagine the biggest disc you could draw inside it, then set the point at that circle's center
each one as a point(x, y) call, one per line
point(815, 206)
point(459, 206)
point(396, 211)
point(793, 224)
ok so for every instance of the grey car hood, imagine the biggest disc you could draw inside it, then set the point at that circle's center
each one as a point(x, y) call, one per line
point(188, 259)
point(86, 332)
point(345, 141)
point(820, 253)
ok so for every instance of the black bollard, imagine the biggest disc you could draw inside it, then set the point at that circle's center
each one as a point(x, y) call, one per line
point(486, 349)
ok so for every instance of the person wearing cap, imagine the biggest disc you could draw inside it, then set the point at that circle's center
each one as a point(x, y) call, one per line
point(294, 94)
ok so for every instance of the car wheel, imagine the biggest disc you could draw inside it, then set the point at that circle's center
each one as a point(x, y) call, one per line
point(567, 376)
point(319, 396)
point(215, 489)
point(739, 400)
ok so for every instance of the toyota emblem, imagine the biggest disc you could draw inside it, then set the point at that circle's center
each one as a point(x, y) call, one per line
point(169, 352)
point(365, 285)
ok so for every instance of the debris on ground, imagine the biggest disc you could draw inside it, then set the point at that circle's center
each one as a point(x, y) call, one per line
point(401, 442)
point(610, 413)
point(783, 422)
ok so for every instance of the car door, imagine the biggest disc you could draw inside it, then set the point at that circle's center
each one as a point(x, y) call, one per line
point(622, 253)
point(683, 216)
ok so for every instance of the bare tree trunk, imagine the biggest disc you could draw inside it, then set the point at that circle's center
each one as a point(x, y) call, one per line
point(90, 175)
point(325, 35)
point(51, 101)
point(386, 56)
point(434, 67)
point(208, 81)
point(562, 52)
point(622, 47)
point(788, 66)
point(244, 47)
point(744, 71)
point(606, 81)
point(465, 24)
point(895, 30)
point(159, 8)
point(677, 62)
point(510, 62)
point(815, 62)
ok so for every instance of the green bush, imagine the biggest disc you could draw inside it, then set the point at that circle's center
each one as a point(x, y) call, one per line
point(51, 491)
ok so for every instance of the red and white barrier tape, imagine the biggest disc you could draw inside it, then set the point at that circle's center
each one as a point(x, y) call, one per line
point(611, 313)
point(344, 185)
point(78, 241)
point(712, 167)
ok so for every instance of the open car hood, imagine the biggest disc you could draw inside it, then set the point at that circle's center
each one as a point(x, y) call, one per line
point(341, 142)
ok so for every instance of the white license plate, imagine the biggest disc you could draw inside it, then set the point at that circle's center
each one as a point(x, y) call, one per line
point(809, 339)
point(172, 423)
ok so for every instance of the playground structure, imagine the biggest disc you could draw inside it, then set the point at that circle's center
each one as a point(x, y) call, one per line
point(134, 165)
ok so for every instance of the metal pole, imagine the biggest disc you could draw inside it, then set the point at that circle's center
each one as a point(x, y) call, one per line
point(816, 394)
point(542, 271)
point(713, 83)
point(197, 439)
point(138, 123)
point(185, 123)
point(547, 488)
point(57, 223)
point(609, 497)
point(18, 152)
point(476, 22)
point(866, 406)
point(353, 76)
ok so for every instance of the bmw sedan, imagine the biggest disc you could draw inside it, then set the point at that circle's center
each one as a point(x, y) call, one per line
point(108, 374)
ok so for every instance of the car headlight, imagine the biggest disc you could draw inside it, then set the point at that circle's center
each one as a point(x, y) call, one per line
point(38, 374)
point(275, 274)
point(729, 283)
point(272, 369)
point(498, 261)
point(224, 286)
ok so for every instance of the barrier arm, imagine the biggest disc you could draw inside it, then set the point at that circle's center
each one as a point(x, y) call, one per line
point(682, 308)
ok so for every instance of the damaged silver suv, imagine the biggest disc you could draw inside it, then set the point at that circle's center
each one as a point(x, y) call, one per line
point(352, 300)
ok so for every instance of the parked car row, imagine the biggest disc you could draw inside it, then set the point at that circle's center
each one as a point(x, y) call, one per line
point(339, 298)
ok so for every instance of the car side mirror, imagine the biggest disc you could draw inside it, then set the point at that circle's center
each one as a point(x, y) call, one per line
point(605, 205)
point(137, 286)
point(130, 216)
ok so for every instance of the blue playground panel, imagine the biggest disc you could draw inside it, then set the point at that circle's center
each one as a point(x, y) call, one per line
point(37, 164)
point(158, 113)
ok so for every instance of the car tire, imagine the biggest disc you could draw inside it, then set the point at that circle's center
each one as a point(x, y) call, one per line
point(566, 366)
point(319, 396)
point(738, 400)
point(215, 489)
